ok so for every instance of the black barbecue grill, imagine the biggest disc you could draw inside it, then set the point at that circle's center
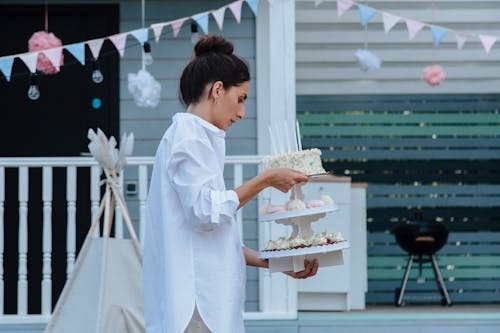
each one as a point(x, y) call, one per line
point(421, 239)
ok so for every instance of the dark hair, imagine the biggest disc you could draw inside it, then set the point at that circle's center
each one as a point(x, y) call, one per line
point(213, 61)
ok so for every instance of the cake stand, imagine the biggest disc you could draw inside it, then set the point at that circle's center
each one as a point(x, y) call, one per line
point(301, 222)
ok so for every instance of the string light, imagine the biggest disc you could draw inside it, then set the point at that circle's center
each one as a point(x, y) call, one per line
point(97, 76)
point(33, 90)
point(146, 55)
point(194, 32)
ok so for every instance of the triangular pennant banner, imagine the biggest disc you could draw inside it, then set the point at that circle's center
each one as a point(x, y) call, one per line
point(176, 26)
point(438, 33)
point(487, 42)
point(365, 14)
point(78, 51)
point(343, 6)
point(235, 8)
point(119, 41)
point(30, 60)
point(318, 2)
point(219, 16)
point(202, 21)
point(141, 35)
point(54, 56)
point(389, 21)
point(95, 46)
point(460, 40)
point(157, 30)
point(254, 6)
point(6, 66)
point(413, 28)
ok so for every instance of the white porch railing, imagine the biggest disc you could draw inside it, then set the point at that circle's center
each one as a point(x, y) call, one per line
point(142, 167)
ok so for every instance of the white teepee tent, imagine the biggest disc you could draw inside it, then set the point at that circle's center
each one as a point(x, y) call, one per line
point(104, 292)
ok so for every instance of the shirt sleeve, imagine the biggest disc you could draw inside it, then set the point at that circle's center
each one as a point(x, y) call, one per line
point(193, 169)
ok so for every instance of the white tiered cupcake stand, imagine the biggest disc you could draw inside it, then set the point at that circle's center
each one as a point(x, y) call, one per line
point(301, 223)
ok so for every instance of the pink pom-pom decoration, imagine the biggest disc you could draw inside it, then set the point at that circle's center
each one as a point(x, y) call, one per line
point(42, 40)
point(433, 75)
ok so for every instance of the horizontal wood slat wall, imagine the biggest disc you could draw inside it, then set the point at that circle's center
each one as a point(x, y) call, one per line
point(440, 154)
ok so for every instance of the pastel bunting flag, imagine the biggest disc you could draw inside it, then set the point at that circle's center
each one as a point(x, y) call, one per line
point(254, 6)
point(54, 56)
point(202, 20)
point(218, 15)
point(141, 35)
point(389, 21)
point(487, 42)
point(176, 26)
point(157, 30)
point(438, 34)
point(119, 42)
point(78, 51)
point(95, 46)
point(365, 14)
point(343, 6)
point(235, 8)
point(318, 2)
point(461, 39)
point(413, 28)
point(29, 60)
point(6, 66)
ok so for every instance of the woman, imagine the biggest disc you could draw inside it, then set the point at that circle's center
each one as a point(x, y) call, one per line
point(194, 262)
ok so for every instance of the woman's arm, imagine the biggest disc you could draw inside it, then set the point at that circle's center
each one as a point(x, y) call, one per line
point(279, 178)
point(252, 259)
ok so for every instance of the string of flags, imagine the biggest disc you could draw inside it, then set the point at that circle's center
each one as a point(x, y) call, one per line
point(53, 55)
point(389, 20)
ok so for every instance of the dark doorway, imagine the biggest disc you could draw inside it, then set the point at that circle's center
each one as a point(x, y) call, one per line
point(54, 125)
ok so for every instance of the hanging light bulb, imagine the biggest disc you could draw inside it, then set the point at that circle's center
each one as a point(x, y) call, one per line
point(33, 91)
point(148, 58)
point(194, 32)
point(97, 76)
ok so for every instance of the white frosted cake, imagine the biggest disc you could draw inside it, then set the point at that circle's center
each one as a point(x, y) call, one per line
point(325, 238)
point(308, 161)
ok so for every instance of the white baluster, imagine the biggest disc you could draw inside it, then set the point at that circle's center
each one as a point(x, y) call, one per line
point(22, 281)
point(2, 240)
point(47, 240)
point(143, 193)
point(95, 195)
point(238, 180)
point(71, 228)
point(118, 211)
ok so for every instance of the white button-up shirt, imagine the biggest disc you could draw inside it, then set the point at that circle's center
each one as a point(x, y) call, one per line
point(192, 248)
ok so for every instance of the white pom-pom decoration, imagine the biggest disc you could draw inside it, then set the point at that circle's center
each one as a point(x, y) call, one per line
point(367, 60)
point(144, 88)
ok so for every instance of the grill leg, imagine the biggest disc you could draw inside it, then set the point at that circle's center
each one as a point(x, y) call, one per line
point(405, 280)
point(437, 273)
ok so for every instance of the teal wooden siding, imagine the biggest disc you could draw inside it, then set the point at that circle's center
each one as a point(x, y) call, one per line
point(440, 154)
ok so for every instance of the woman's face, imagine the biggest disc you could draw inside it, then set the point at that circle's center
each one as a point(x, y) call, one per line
point(230, 106)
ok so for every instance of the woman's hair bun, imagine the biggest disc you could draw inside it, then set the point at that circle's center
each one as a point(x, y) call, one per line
point(212, 44)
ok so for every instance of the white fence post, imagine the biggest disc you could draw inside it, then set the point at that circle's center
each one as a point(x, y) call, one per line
point(47, 240)
point(143, 193)
point(71, 229)
point(22, 280)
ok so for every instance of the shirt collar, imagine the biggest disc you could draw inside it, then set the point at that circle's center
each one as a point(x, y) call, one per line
point(209, 126)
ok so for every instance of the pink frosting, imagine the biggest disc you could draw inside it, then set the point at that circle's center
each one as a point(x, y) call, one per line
point(315, 203)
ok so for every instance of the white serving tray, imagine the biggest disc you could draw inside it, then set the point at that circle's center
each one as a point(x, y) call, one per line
point(305, 250)
point(297, 213)
point(326, 255)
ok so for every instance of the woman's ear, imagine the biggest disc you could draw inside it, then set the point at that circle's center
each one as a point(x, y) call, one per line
point(217, 89)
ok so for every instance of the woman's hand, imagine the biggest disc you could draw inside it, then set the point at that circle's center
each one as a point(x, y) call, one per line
point(284, 179)
point(310, 269)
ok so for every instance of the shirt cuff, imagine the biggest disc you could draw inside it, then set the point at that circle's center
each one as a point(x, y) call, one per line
point(224, 206)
